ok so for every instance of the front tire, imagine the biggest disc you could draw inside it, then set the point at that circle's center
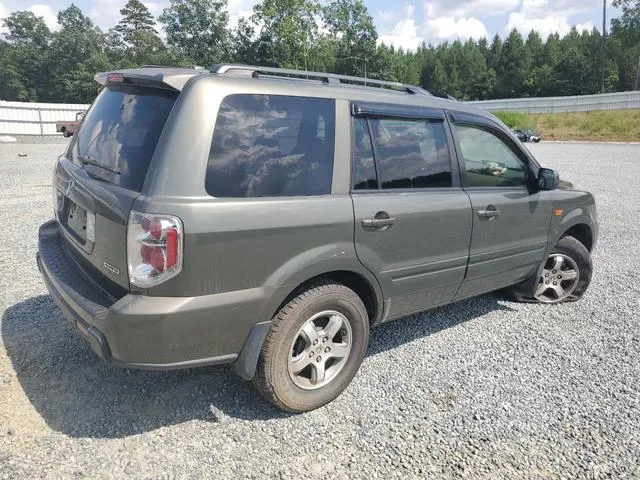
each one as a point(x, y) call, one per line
point(566, 273)
point(65, 133)
point(314, 348)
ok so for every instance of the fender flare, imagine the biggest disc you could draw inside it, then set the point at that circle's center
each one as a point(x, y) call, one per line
point(247, 361)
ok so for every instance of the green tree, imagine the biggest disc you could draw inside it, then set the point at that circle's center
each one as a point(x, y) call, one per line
point(198, 30)
point(354, 34)
point(512, 67)
point(625, 33)
point(137, 30)
point(572, 71)
point(13, 86)
point(287, 31)
point(25, 28)
point(136, 18)
point(24, 56)
point(434, 76)
point(76, 50)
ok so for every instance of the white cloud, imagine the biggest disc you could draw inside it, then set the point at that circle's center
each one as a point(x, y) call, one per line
point(156, 8)
point(106, 13)
point(48, 14)
point(534, 3)
point(404, 34)
point(544, 25)
point(408, 10)
point(3, 14)
point(548, 17)
point(470, 8)
point(447, 28)
point(385, 16)
point(238, 9)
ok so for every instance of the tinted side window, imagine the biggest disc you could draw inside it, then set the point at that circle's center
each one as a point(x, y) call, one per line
point(411, 153)
point(364, 169)
point(272, 145)
point(488, 160)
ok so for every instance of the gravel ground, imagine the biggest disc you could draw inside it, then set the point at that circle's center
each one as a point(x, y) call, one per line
point(483, 388)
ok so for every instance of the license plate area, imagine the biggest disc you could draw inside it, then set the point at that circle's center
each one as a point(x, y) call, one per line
point(76, 221)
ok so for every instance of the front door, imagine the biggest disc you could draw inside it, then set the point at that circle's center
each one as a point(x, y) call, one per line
point(510, 216)
point(412, 218)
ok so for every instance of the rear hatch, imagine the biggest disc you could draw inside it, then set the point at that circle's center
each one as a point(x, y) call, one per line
point(102, 173)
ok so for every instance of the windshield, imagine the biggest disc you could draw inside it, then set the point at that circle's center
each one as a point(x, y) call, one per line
point(119, 133)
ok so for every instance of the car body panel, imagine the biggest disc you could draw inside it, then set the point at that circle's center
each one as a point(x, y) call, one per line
point(421, 259)
point(508, 248)
point(244, 257)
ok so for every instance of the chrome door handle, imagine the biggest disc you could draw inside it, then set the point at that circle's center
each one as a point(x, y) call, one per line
point(489, 212)
point(377, 222)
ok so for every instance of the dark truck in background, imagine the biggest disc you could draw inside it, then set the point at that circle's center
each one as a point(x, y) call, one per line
point(69, 127)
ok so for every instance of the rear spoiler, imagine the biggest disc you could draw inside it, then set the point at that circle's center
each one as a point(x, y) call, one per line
point(159, 77)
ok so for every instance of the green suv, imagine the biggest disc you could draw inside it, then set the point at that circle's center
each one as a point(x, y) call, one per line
point(269, 218)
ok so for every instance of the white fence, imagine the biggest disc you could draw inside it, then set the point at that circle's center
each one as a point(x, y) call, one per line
point(579, 103)
point(23, 118)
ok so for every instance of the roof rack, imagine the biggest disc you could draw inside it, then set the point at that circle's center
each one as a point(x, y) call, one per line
point(327, 78)
point(193, 67)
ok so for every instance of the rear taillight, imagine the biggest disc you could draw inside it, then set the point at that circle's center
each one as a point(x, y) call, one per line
point(154, 248)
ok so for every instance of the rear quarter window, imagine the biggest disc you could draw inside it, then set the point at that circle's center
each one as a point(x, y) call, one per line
point(272, 146)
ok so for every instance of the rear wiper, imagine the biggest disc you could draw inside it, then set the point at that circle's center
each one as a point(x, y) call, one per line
point(88, 161)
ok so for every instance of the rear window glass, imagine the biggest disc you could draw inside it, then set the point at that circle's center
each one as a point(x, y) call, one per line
point(120, 132)
point(271, 146)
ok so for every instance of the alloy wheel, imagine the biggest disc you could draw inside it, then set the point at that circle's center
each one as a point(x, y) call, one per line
point(320, 350)
point(558, 280)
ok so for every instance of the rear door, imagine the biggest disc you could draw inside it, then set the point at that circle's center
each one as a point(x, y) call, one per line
point(510, 216)
point(412, 218)
point(102, 173)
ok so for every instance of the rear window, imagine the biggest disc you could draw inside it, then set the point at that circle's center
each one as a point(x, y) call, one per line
point(272, 146)
point(120, 132)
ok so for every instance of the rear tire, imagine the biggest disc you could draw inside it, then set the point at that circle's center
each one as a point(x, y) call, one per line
point(65, 133)
point(314, 348)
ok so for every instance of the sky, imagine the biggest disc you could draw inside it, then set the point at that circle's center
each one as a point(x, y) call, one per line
point(403, 23)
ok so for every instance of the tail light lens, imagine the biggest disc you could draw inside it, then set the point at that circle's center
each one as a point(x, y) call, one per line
point(154, 248)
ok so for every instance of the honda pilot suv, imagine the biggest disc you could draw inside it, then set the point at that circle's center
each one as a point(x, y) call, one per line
point(270, 218)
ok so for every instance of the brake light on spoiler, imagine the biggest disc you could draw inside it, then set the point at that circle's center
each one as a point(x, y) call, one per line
point(154, 248)
point(115, 78)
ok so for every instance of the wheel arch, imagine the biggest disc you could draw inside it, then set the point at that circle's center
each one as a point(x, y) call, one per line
point(581, 232)
point(366, 288)
point(362, 286)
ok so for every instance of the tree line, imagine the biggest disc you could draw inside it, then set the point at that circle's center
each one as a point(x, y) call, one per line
point(37, 64)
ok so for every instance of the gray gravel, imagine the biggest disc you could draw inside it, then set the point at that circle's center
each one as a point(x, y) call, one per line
point(483, 388)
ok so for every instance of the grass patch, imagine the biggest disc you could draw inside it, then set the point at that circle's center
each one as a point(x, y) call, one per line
point(514, 119)
point(611, 125)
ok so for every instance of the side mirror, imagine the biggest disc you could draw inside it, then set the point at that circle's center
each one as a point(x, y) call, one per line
point(548, 179)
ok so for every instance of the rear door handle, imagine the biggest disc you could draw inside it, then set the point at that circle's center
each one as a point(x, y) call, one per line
point(377, 222)
point(490, 212)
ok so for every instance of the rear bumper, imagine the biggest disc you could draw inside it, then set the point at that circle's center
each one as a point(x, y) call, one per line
point(145, 332)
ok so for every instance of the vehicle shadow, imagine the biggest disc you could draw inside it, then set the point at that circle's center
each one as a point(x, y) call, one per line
point(81, 396)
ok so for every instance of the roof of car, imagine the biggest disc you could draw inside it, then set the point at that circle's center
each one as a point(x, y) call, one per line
point(177, 78)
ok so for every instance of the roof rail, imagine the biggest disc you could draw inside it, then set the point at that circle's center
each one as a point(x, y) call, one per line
point(327, 78)
point(193, 67)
